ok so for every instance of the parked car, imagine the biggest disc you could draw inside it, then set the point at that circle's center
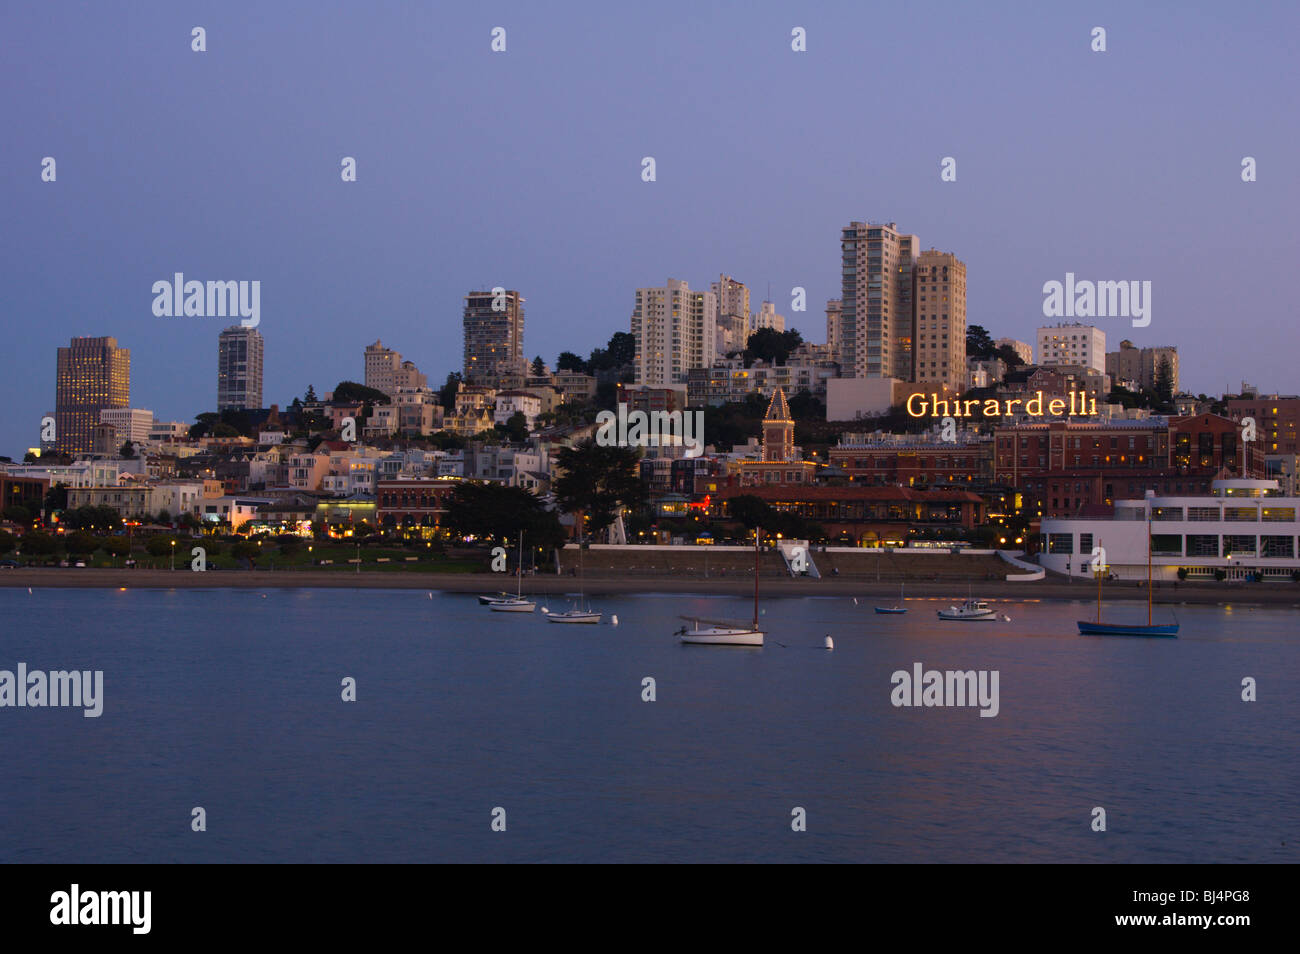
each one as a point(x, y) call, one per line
point(8, 564)
point(81, 563)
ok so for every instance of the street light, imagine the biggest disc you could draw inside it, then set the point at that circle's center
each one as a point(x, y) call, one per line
point(173, 556)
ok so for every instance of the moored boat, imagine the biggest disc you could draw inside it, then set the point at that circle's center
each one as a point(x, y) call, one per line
point(970, 611)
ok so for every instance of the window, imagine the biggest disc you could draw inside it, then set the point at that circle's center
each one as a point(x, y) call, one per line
point(1060, 543)
point(1277, 547)
point(1203, 514)
point(1166, 544)
point(1202, 545)
point(1238, 545)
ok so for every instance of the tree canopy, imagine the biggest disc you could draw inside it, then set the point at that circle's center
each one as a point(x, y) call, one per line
point(597, 481)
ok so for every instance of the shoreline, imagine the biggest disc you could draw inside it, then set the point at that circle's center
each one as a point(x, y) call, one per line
point(773, 587)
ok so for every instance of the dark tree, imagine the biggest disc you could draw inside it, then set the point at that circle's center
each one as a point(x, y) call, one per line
point(515, 429)
point(496, 512)
point(770, 345)
point(979, 343)
point(56, 498)
point(750, 511)
point(447, 393)
point(539, 366)
point(621, 348)
point(568, 361)
point(1008, 356)
point(1164, 385)
point(596, 482)
point(351, 391)
point(310, 396)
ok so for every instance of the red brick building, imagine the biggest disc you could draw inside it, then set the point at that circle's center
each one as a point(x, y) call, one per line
point(916, 464)
point(418, 503)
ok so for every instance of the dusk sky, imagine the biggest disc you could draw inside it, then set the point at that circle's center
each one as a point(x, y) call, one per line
point(523, 169)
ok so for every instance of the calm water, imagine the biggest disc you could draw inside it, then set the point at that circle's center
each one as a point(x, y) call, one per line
point(231, 701)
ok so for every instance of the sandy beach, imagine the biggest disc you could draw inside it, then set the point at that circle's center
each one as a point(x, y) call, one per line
point(772, 587)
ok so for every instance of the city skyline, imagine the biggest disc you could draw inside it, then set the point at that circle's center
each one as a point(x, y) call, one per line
point(391, 254)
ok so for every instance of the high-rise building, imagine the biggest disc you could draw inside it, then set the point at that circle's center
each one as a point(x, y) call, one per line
point(1140, 367)
point(732, 297)
point(93, 374)
point(876, 300)
point(494, 334)
point(939, 335)
point(239, 368)
point(734, 324)
point(386, 371)
point(675, 330)
point(768, 318)
point(1072, 343)
point(834, 328)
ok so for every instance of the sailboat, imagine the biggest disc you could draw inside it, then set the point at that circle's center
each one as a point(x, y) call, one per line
point(897, 607)
point(577, 613)
point(706, 632)
point(516, 603)
point(1151, 628)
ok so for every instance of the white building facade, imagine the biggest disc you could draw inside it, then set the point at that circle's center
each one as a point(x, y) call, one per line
point(1243, 529)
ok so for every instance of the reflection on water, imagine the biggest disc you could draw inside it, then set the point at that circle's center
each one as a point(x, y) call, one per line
point(231, 701)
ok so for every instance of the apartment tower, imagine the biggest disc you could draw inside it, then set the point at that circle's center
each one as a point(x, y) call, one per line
point(675, 330)
point(239, 368)
point(494, 334)
point(876, 300)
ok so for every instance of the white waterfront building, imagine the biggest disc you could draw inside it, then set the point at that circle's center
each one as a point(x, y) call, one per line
point(1244, 528)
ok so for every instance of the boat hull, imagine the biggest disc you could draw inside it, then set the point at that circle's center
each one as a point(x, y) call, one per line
point(890, 610)
point(723, 637)
point(963, 618)
point(512, 606)
point(573, 617)
point(1122, 629)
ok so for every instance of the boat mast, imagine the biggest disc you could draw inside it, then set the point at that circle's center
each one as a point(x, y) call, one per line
point(1148, 567)
point(519, 587)
point(758, 535)
point(1100, 567)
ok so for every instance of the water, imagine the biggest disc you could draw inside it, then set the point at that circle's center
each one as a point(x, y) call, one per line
point(231, 701)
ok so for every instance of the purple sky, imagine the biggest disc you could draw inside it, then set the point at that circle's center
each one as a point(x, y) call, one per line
point(523, 169)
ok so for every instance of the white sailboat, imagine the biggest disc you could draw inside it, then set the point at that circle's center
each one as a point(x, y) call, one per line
point(707, 632)
point(516, 603)
point(580, 612)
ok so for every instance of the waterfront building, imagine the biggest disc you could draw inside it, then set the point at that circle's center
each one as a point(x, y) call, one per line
point(1241, 529)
